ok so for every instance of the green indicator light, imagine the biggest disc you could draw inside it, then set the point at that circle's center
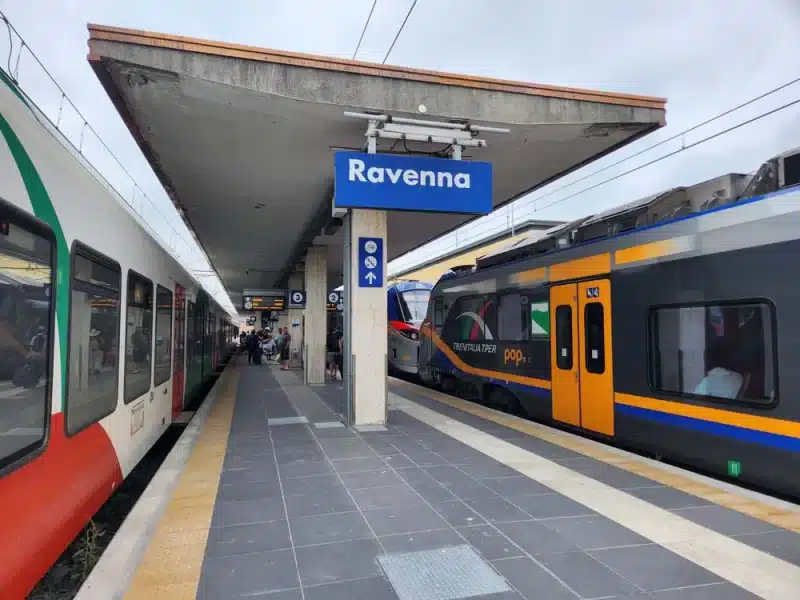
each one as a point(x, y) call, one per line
point(734, 468)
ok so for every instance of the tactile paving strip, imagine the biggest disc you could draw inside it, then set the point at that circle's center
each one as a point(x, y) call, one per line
point(443, 574)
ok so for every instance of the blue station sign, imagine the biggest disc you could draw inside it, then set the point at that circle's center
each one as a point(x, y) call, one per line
point(399, 182)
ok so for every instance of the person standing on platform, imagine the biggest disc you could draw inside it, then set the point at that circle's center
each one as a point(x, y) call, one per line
point(286, 339)
point(252, 347)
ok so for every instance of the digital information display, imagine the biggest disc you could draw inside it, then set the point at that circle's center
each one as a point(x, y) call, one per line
point(259, 303)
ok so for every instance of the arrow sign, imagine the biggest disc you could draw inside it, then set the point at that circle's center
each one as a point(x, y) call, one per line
point(370, 262)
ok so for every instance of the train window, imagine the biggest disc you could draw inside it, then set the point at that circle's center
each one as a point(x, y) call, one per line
point(163, 350)
point(564, 337)
point(513, 322)
point(594, 342)
point(414, 305)
point(474, 319)
point(720, 351)
point(540, 320)
point(26, 281)
point(93, 339)
point(438, 313)
point(138, 337)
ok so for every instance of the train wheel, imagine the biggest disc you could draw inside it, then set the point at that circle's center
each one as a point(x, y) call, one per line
point(506, 400)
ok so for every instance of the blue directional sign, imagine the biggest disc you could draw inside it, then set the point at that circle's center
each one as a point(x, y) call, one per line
point(370, 262)
point(398, 182)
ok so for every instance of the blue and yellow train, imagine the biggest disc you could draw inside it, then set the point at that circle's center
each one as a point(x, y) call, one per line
point(669, 325)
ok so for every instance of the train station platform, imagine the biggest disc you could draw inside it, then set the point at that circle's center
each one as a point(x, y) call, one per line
point(268, 495)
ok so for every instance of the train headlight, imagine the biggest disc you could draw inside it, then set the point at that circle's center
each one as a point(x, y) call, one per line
point(414, 335)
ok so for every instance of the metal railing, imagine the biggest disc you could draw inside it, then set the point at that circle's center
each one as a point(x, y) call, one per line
point(42, 90)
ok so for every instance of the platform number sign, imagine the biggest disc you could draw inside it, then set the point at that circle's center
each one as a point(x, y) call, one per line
point(370, 262)
point(297, 298)
point(593, 292)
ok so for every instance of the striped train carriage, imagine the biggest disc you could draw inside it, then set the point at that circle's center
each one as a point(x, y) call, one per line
point(104, 339)
point(677, 337)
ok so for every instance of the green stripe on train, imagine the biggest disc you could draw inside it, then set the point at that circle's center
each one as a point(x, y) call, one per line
point(43, 209)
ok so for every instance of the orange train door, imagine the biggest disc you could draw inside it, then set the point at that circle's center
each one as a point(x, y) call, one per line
point(564, 359)
point(582, 368)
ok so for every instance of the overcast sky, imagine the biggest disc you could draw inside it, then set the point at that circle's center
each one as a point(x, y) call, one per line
point(705, 57)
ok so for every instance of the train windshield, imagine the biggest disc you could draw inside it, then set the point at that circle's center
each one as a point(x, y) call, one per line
point(414, 304)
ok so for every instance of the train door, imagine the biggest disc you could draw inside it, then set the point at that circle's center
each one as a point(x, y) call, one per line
point(178, 364)
point(564, 361)
point(597, 374)
point(582, 380)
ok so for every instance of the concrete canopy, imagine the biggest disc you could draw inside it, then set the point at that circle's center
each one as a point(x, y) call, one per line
point(242, 138)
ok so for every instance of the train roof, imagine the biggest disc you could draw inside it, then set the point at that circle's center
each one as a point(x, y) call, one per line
point(654, 210)
point(411, 284)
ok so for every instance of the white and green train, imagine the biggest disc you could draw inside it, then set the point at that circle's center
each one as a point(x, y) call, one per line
point(104, 337)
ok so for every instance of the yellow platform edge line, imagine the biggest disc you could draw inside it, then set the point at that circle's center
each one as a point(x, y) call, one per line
point(779, 517)
point(170, 567)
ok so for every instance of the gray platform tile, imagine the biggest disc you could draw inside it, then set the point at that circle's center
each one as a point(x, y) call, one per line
point(586, 576)
point(237, 492)
point(423, 458)
point(497, 509)
point(716, 591)
point(459, 484)
point(290, 454)
point(329, 563)
point(421, 540)
point(544, 449)
point(780, 543)
point(489, 542)
point(330, 528)
point(448, 573)
point(519, 485)
point(317, 503)
point(621, 479)
point(488, 469)
point(258, 473)
point(244, 539)
point(358, 465)
point(595, 532)
point(458, 514)
point(304, 468)
point(228, 514)
point(339, 448)
point(275, 422)
point(725, 521)
point(295, 594)
point(369, 428)
point(536, 539)
point(533, 581)
point(669, 498)
point(315, 484)
point(249, 574)
point(386, 496)
point(404, 519)
point(397, 461)
point(371, 588)
point(335, 433)
point(368, 479)
point(653, 567)
point(548, 506)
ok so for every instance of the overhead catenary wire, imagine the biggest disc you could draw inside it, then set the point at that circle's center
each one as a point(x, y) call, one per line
point(709, 138)
point(678, 151)
point(399, 31)
point(364, 30)
point(533, 202)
